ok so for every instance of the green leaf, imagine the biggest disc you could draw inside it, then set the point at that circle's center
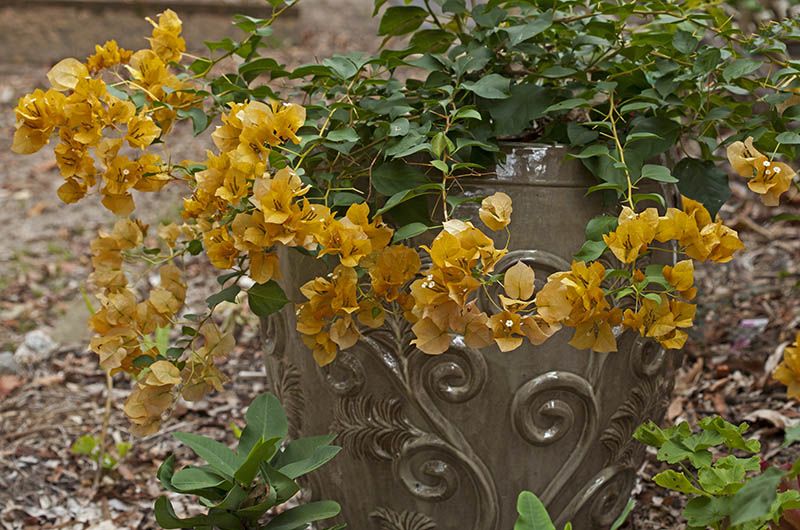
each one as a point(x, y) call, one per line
point(567, 104)
point(591, 151)
point(754, 500)
point(702, 512)
point(305, 455)
point(198, 116)
point(619, 521)
point(650, 434)
point(401, 20)
point(740, 68)
point(704, 182)
point(727, 475)
point(492, 86)
point(399, 127)
point(302, 515)
point(556, 72)
point(266, 298)
point(591, 250)
point(532, 513)
point(580, 135)
point(262, 451)
point(347, 134)
point(513, 115)
point(252, 69)
point(650, 197)
point(517, 34)
point(791, 436)
point(396, 176)
point(165, 473)
point(731, 434)
point(657, 173)
point(84, 445)
point(599, 226)
point(409, 231)
point(398, 198)
point(228, 294)
point(220, 457)
point(788, 137)
point(195, 247)
point(432, 40)
point(285, 488)
point(677, 482)
point(266, 420)
point(166, 518)
point(605, 186)
point(191, 479)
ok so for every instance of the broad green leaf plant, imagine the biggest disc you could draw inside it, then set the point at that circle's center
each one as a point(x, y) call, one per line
point(728, 484)
point(238, 487)
point(351, 158)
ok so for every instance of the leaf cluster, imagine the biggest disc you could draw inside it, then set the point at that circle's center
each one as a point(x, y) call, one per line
point(724, 490)
point(239, 486)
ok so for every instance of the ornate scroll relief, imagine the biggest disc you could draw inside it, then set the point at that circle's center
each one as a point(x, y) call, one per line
point(283, 376)
point(432, 462)
point(541, 415)
point(389, 519)
point(608, 492)
point(370, 428)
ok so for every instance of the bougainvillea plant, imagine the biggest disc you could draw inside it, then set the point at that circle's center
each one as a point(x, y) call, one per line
point(350, 159)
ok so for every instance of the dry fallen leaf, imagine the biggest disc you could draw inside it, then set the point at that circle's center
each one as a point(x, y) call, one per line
point(8, 383)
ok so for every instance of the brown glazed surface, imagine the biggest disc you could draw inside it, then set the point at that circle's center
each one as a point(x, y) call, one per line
point(447, 442)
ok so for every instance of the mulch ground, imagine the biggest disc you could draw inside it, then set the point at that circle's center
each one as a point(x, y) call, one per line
point(748, 311)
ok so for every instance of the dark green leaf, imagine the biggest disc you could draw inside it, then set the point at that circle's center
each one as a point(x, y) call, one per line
point(266, 298)
point(191, 479)
point(739, 68)
point(198, 116)
point(599, 226)
point(219, 457)
point(591, 250)
point(704, 182)
point(262, 451)
point(401, 20)
point(266, 420)
point(303, 515)
point(657, 173)
point(492, 86)
point(396, 176)
point(228, 294)
point(409, 231)
point(517, 34)
point(567, 104)
point(513, 115)
point(166, 518)
point(305, 455)
point(789, 137)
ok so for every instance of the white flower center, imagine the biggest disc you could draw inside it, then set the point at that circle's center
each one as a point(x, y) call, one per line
point(509, 323)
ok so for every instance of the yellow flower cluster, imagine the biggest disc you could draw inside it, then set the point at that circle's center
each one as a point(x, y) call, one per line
point(766, 177)
point(577, 299)
point(122, 322)
point(788, 371)
point(93, 124)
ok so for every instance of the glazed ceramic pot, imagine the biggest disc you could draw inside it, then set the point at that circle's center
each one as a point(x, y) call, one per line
point(447, 442)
